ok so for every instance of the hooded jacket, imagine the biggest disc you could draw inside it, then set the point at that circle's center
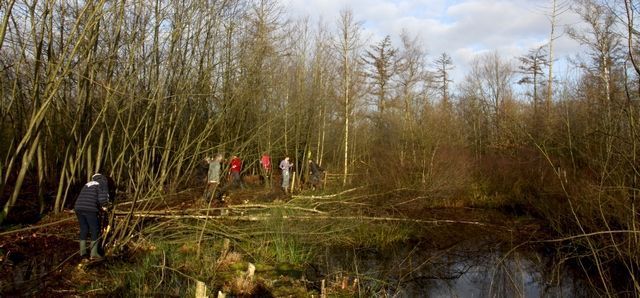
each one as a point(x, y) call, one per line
point(315, 169)
point(93, 195)
point(236, 164)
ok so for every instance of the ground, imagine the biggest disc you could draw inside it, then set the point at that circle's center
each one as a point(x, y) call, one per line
point(41, 259)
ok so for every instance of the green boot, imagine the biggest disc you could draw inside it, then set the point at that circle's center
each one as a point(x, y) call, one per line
point(94, 251)
point(83, 248)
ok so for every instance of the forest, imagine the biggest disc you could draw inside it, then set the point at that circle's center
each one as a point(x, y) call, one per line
point(145, 91)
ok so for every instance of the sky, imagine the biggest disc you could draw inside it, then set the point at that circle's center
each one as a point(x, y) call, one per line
point(463, 29)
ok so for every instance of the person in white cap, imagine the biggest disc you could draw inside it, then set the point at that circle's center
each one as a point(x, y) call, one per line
point(93, 197)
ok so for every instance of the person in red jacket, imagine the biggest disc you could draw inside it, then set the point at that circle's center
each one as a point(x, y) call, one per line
point(265, 162)
point(236, 168)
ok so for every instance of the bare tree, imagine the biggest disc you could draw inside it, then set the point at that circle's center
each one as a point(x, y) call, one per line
point(323, 76)
point(601, 39)
point(632, 41)
point(489, 86)
point(348, 45)
point(411, 95)
point(558, 7)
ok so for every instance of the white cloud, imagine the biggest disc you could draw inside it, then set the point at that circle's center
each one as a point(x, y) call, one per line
point(461, 28)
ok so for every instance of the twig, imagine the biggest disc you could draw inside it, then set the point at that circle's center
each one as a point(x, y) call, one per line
point(153, 197)
point(409, 201)
point(361, 218)
point(176, 271)
point(204, 225)
point(164, 265)
point(326, 196)
point(191, 216)
point(36, 227)
point(587, 235)
point(192, 211)
point(276, 206)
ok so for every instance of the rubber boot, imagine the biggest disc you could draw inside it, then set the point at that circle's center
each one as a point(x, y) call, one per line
point(94, 251)
point(83, 248)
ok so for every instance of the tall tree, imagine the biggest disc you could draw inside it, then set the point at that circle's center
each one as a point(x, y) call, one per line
point(442, 76)
point(557, 8)
point(348, 45)
point(412, 78)
point(632, 34)
point(531, 69)
point(382, 61)
point(261, 56)
point(489, 83)
point(322, 73)
point(602, 41)
point(551, 40)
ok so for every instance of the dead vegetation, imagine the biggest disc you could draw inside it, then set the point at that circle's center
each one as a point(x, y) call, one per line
point(144, 91)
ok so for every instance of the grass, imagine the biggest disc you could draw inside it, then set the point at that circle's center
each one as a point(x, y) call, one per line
point(281, 250)
point(280, 241)
point(168, 268)
point(154, 272)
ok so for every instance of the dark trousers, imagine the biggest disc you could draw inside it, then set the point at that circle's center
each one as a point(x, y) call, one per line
point(211, 190)
point(314, 180)
point(236, 181)
point(266, 177)
point(89, 223)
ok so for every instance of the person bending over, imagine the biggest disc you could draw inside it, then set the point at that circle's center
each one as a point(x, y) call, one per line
point(93, 198)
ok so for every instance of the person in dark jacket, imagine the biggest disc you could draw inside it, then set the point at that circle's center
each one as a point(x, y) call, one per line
point(316, 172)
point(93, 197)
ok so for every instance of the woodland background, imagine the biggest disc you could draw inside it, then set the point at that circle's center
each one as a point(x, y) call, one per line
point(145, 90)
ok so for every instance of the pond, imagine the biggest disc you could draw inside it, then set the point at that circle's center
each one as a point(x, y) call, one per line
point(453, 261)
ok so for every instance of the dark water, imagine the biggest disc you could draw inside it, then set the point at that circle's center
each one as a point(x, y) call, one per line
point(29, 276)
point(454, 262)
point(31, 264)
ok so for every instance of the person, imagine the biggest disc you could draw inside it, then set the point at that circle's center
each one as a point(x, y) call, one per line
point(265, 162)
point(285, 166)
point(316, 174)
point(93, 198)
point(213, 176)
point(236, 168)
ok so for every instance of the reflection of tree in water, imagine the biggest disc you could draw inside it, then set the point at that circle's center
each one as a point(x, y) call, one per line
point(458, 264)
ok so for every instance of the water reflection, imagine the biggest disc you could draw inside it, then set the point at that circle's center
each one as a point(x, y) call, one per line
point(498, 275)
point(464, 264)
